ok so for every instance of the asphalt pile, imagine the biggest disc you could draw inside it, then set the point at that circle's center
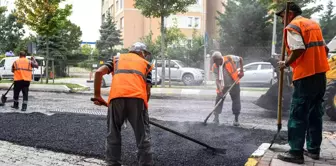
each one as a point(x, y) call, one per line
point(85, 135)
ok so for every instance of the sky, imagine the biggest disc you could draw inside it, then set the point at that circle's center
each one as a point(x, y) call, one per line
point(87, 15)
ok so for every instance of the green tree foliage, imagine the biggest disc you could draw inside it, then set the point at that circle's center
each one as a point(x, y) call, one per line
point(161, 9)
point(11, 31)
point(109, 37)
point(46, 18)
point(328, 22)
point(244, 24)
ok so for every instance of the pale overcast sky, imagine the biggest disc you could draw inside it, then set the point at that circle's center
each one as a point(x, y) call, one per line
point(86, 14)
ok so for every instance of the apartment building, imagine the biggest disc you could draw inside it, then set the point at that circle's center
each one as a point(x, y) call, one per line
point(201, 16)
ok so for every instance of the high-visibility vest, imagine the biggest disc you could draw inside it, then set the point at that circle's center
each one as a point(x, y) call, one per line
point(22, 70)
point(314, 59)
point(129, 77)
point(230, 67)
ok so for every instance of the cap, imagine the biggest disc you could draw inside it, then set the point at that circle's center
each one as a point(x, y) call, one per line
point(138, 46)
point(292, 7)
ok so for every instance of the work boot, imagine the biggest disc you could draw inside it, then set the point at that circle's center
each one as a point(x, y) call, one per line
point(236, 122)
point(15, 105)
point(288, 157)
point(216, 119)
point(24, 107)
point(315, 156)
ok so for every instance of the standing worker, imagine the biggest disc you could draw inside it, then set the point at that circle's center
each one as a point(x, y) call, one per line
point(226, 73)
point(22, 69)
point(308, 58)
point(128, 99)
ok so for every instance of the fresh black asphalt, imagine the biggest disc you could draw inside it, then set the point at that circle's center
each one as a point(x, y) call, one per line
point(85, 135)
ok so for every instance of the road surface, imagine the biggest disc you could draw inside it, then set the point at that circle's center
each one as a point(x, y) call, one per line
point(71, 123)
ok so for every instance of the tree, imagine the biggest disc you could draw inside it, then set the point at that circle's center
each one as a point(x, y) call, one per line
point(11, 32)
point(328, 22)
point(44, 17)
point(109, 37)
point(244, 24)
point(162, 9)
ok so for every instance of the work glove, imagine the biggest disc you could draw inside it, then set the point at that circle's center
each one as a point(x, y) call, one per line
point(98, 100)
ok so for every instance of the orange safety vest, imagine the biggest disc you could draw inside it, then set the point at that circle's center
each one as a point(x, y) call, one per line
point(22, 70)
point(314, 59)
point(230, 66)
point(129, 77)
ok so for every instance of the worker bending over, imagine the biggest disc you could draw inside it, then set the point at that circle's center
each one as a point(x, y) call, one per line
point(128, 99)
point(226, 73)
point(22, 69)
point(307, 55)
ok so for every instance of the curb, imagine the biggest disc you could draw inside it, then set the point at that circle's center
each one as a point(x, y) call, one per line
point(254, 159)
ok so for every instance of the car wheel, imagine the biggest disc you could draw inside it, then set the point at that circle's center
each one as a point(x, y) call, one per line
point(188, 79)
point(36, 78)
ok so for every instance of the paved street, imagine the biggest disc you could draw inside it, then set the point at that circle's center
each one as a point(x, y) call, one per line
point(70, 123)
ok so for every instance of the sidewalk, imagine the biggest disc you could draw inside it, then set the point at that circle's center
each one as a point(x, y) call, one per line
point(155, 92)
point(16, 155)
point(268, 157)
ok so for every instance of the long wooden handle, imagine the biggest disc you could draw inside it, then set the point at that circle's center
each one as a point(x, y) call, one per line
point(282, 70)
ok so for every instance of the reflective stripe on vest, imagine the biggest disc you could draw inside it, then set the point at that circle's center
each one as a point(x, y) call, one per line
point(22, 70)
point(314, 59)
point(129, 77)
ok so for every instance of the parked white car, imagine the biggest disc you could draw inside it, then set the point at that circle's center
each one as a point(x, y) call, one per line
point(6, 67)
point(180, 72)
point(258, 73)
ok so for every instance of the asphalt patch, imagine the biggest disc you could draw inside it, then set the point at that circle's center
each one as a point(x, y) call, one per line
point(85, 135)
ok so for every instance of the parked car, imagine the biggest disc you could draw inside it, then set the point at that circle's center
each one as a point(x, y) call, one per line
point(180, 72)
point(6, 67)
point(258, 73)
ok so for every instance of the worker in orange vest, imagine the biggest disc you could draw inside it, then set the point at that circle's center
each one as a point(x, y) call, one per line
point(128, 99)
point(22, 69)
point(225, 71)
point(307, 56)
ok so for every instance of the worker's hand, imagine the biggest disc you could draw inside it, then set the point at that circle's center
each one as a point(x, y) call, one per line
point(221, 91)
point(282, 64)
point(241, 74)
point(98, 100)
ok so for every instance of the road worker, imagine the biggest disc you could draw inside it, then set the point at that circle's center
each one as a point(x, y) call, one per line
point(225, 71)
point(307, 56)
point(128, 100)
point(22, 69)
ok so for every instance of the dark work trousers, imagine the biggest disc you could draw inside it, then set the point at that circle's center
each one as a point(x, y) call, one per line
point(235, 97)
point(21, 86)
point(306, 114)
point(133, 110)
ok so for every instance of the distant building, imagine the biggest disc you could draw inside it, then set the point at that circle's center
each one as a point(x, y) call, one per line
point(133, 25)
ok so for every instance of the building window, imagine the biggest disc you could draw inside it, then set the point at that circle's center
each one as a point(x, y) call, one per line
point(190, 21)
point(121, 4)
point(197, 22)
point(198, 2)
point(122, 23)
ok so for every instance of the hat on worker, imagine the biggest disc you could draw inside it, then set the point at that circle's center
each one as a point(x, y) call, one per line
point(292, 7)
point(138, 47)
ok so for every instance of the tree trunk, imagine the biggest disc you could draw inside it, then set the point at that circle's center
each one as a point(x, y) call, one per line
point(47, 60)
point(162, 53)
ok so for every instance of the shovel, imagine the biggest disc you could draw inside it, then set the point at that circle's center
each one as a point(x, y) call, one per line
point(3, 97)
point(208, 147)
point(220, 101)
point(279, 124)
